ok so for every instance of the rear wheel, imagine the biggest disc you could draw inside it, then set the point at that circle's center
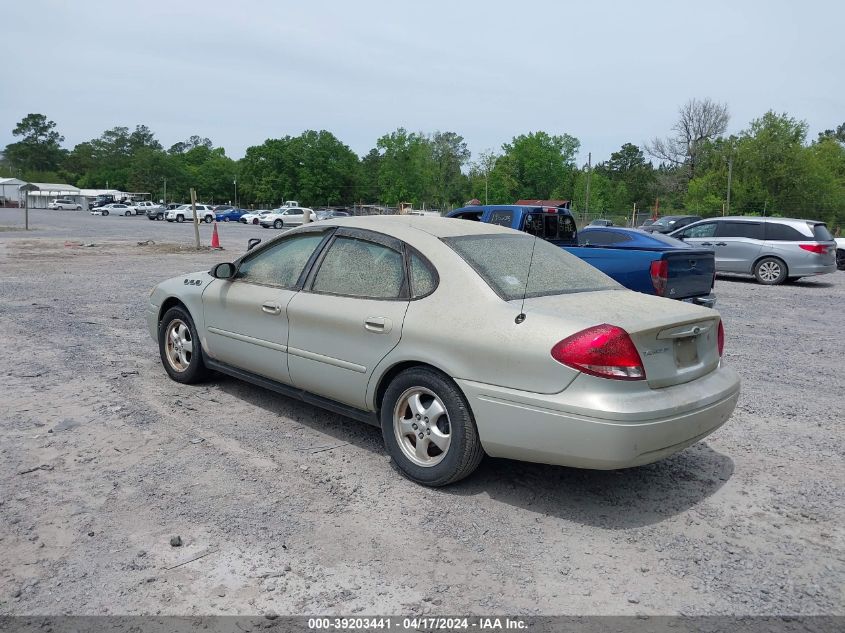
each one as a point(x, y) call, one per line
point(209, 219)
point(179, 347)
point(428, 428)
point(255, 221)
point(226, 219)
point(278, 224)
point(126, 214)
point(160, 216)
point(770, 271)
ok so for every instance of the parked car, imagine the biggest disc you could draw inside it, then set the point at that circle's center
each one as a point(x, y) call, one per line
point(254, 217)
point(115, 208)
point(229, 215)
point(65, 204)
point(600, 222)
point(687, 278)
point(286, 216)
point(220, 208)
point(669, 223)
point(840, 252)
point(156, 213)
point(186, 212)
point(437, 332)
point(149, 208)
point(327, 214)
point(652, 263)
point(774, 250)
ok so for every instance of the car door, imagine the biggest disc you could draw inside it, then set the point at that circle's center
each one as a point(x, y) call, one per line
point(738, 243)
point(293, 217)
point(701, 235)
point(348, 316)
point(246, 318)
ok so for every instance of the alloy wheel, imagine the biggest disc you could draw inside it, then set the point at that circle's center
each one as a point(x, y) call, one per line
point(421, 426)
point(769, 271)
point(179, 346)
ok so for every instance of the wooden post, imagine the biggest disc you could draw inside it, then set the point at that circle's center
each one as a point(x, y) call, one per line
point(26, 210)
point(196, 219)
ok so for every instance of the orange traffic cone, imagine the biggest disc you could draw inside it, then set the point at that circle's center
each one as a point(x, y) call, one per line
point(215, 239)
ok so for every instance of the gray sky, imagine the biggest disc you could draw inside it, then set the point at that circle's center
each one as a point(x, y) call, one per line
point(241, 72)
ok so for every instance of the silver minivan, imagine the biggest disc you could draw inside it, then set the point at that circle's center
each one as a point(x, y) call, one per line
point(774, 250)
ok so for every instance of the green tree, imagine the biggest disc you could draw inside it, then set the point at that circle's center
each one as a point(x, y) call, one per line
point(450, 154)
point(628, 166)
point(535, 165)
point(39, 149)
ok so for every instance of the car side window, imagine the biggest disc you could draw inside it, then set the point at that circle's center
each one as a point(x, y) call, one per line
point(282, 263)
point(782, 233)
point(708, 229)
point(423, 281)
point(751, 230)
point(358, 268)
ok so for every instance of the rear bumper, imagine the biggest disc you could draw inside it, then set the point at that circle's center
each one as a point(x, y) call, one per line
point(808, 270)
point(708, 302)
point(585, 429)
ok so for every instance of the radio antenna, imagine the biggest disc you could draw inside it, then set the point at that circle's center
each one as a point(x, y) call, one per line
point(521, 316)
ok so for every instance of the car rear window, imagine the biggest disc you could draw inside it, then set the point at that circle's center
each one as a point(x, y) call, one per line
point(821, 233)
point(503, 261)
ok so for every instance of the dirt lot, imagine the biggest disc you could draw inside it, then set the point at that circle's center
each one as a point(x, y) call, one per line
point(286, 507)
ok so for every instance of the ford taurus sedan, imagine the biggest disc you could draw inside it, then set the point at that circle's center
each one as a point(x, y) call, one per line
point(458, 339)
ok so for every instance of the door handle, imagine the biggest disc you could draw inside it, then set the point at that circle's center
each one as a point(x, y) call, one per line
point(721, 243)
point(380, 325)
point(271, 308)
point(707, 243)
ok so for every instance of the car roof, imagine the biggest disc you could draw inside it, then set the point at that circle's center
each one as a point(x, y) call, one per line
point(754, 218)
point(406, 225)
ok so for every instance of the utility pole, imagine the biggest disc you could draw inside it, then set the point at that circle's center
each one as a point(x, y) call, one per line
point(235, 182)
point(730, 175)
point(196, 220)
point(587, 194)
point(165, 192)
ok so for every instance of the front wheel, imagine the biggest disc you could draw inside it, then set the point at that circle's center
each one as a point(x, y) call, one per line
point(179, 347)
point(840, 258)
point(770, 271)
point(255, 221)
point(278, 224)
point(104, 212)
point(428, 428)
point(180, 218)
point(127, 214)
point(225, 219)
point(209, 219)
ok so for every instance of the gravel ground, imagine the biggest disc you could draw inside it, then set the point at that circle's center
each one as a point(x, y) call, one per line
point(281, 506)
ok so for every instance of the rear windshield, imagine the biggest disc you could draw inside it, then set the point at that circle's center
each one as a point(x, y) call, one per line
point(503, 262)
point(821, 233)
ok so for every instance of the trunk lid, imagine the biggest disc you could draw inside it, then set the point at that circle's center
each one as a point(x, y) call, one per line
point(677, 341)
point(690, 273)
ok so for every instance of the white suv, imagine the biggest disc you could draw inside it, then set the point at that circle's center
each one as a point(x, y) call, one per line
point(204, 212)
point(64, 204)
point(292, 216)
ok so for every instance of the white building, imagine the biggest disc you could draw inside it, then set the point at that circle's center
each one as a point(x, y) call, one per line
point(49, 191)
point(10, 194)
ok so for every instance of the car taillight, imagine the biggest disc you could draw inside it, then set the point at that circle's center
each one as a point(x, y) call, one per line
point(605, 350)
point(818, 249)
point(720, 338)
point(659, 271)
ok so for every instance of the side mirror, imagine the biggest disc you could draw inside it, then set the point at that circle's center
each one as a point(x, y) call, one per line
point(252, 243)
point(223, 271)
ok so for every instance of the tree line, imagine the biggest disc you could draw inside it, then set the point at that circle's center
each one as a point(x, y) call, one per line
point(772, 167)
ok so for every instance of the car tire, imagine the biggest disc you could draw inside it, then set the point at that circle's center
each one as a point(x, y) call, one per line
point(225, 219)
point(455, 426)
point(840, 258)
point(278, 224)
point(255, 221)
point(180, 218)
point(176, 332)
point(126, 214)
point(770, 271)
point(160, 216)
point(78, 208)
point(208, 219)
point(104, 212)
